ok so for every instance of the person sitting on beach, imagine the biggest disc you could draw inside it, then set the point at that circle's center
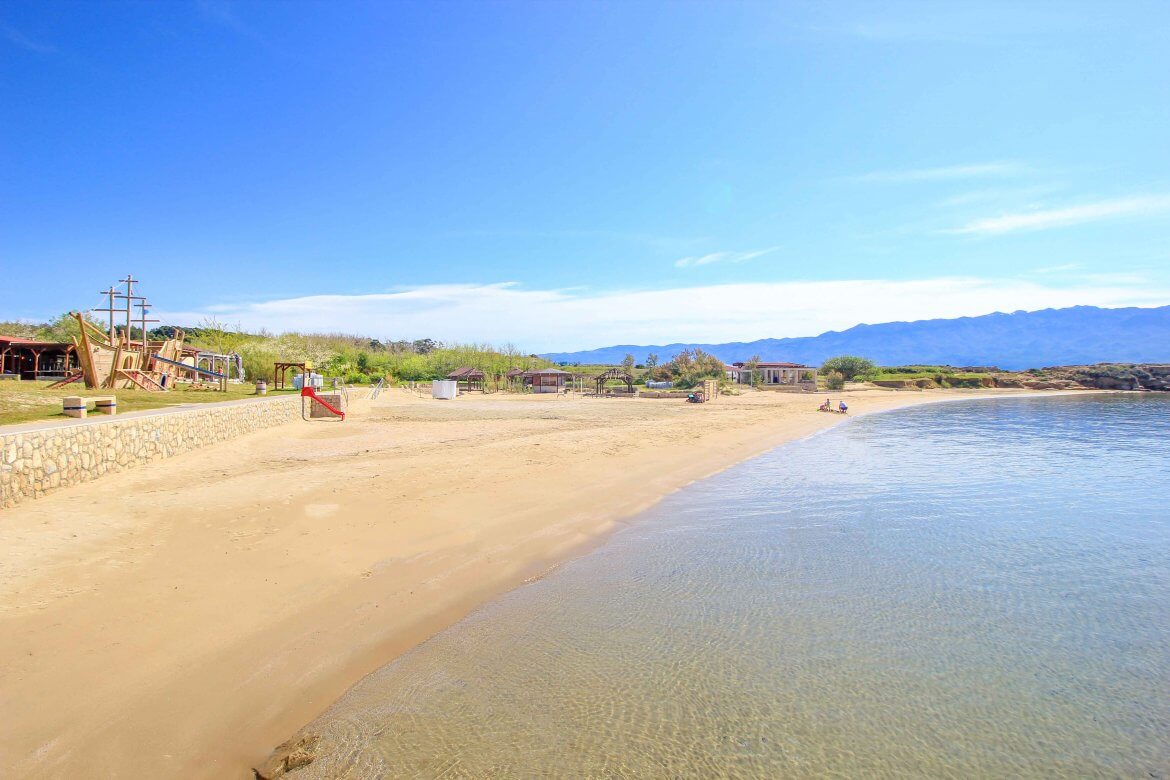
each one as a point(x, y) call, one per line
point(843, 408)
point(826, 406)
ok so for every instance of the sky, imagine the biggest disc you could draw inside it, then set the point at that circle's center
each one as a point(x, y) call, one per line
point(561, 175)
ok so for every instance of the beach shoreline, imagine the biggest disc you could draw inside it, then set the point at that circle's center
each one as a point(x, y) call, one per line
point(187, 617)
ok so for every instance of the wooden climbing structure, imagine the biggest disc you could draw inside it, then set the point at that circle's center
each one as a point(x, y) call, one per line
point(116, 360)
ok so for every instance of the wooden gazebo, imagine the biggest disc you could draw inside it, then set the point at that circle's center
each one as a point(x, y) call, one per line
point(470, 379)
point(614, 374)
point(278, 373)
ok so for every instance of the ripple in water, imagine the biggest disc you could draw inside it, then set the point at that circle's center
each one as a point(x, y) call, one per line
point(969, 589)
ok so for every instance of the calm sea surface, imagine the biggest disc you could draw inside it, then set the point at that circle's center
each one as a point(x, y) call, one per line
point(972, 589)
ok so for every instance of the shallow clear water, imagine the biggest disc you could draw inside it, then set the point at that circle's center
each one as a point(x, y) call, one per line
point(967, 589)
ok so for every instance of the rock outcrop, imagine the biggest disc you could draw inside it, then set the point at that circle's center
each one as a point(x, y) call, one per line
point(1109, 376)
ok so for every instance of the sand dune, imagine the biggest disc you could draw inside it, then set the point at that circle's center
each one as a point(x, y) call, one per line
point(183, 619)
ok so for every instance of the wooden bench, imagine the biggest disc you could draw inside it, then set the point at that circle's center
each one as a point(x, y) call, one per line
point(76, 405)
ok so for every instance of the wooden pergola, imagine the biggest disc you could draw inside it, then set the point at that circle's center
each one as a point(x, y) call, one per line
point(28, 358)
point(614, 374)
point(278, 373)
point(472, 379)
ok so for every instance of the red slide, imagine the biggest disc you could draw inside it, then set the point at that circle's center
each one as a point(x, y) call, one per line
point(309, 392)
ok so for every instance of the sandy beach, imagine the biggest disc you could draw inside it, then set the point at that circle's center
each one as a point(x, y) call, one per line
point(185, 618)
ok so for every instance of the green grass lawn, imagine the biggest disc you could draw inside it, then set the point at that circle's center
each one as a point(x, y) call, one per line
point(23, 402)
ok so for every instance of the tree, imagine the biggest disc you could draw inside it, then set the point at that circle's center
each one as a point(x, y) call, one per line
point(23, 330)
point(219, 337)
point(426, 346)
point(628, 363)
point(651, 361)
point(163, 332)
point(64, 328)
point(834, 380)
point(849, 366)
point(689, 367)
point(752, 366)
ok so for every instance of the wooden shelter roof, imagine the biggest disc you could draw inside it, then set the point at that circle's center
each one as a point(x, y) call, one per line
point(466, 372)
point(614, 373)
point(18, 341)
point(765, 364)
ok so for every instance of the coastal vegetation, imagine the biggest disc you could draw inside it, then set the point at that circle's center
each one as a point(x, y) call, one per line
point(690, 367)
point(834, 380)
point(852, 368)
point(929, 377)
point(359, 359)
point(848, 366)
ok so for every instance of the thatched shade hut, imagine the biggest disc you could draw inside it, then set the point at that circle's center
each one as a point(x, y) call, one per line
point(470, 379)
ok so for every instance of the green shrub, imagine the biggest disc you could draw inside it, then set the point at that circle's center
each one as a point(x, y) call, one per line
point(834, 380)
point(849, 366)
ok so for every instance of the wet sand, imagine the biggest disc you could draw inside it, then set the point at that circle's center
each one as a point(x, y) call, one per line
point(184, 618)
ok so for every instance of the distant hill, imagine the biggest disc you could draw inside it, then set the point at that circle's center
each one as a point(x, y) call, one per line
point(1017, 341)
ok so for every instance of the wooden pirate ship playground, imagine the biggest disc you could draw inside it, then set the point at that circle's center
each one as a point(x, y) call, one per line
point(114, 359)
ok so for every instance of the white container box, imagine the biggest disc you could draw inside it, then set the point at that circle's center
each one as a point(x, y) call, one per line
point(316, 381)
point(444, 389)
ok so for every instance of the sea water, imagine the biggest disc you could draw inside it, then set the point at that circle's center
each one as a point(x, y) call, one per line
point(970, 589)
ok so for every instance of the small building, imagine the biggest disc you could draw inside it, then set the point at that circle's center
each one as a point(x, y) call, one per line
point(547, 380)
point(775, 375)
point(470, 379)
point(31, 359)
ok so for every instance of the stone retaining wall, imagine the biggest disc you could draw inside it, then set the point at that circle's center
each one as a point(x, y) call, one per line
point(33, 462)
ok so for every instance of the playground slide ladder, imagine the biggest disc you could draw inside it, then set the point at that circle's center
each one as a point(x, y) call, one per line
point(67, 380)
point(141, 378)
point(377, 388)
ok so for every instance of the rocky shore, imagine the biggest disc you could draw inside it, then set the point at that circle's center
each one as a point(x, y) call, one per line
point(1102, 376)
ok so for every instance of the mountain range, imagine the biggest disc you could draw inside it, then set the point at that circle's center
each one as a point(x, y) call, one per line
point(1074, 336)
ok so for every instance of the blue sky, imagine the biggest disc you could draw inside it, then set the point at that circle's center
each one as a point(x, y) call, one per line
point(562, 175)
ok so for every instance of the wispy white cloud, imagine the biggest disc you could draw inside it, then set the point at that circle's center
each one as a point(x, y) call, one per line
point(544, 320)
point(1012, 196)
point(15, 36)
point(1046, 219)
point(1059, 269)
point(944, 173)
point(722, 257)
